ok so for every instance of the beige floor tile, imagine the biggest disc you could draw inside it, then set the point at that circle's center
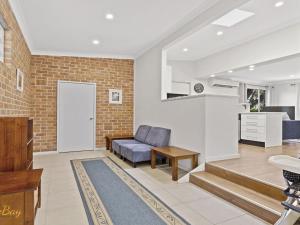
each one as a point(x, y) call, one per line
point(63, 200)
point(245, 219)
point(40, 218)
point(62, 186)
point(67, 216)
point(62, 204)
point(188, 192)
point(166, 197)
point(215, 210)
point(190, 215)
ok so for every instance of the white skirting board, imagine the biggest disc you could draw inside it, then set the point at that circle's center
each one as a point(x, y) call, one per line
point(223, 157)
point(45, 153)
point(56, 152)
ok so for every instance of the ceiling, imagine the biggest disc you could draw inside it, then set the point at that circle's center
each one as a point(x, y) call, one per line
point(68, 27)
point(287, 68)
point(267, 18)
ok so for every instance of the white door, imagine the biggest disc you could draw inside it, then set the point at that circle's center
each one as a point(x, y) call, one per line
point(76, 116)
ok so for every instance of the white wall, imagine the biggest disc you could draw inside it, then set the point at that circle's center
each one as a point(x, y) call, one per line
point(221, 128)
point(208, 89)
point(185, 71)
point(285, 95)
point(273, 46)
point(185, 117)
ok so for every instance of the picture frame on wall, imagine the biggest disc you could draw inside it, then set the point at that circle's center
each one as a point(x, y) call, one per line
point(20, 80)
point(115, 96)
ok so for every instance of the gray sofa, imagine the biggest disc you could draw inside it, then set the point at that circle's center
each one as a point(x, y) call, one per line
point(139, 149)
point(290, 129)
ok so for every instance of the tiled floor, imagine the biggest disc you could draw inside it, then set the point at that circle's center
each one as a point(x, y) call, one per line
point(61, 203)
point(254, 162)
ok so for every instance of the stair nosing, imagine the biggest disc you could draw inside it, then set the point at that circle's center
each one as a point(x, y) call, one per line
point(238, 195)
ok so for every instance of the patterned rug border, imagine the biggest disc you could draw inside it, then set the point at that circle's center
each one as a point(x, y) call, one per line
point(129, 175)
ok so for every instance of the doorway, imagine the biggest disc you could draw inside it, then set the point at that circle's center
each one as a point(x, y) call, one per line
point(76, 116)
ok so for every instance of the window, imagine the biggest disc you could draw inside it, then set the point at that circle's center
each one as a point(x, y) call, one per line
point(257, 99)
point(3, 27)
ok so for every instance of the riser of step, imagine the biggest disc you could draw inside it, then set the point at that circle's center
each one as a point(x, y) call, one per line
point(248, 182)
point(262, 206)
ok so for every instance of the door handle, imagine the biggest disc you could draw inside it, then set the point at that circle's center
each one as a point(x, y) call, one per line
point(91, 118)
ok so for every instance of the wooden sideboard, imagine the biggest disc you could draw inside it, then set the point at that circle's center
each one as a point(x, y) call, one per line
point(16, 143)
point(20, 196)
point(20, 185)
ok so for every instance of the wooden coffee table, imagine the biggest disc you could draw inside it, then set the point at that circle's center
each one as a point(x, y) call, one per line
point(174, 154)
point(110, 138)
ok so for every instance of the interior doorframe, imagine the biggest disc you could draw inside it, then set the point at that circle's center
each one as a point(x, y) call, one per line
point(57, 111)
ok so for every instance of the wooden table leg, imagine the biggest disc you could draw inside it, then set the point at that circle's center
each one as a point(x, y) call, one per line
point(174, 169)
point(107, 143)
point(195, 161)
point(40, 195)
point(170, 162)
point(110, 145)
point(153, 159)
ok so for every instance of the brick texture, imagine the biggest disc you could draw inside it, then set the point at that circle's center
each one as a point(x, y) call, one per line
point(38, 99)
point(106, 73)
point(16, 55)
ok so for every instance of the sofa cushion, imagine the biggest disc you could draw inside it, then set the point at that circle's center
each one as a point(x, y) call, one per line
point(117, 143)
point(136, 152)
point(158, 137)
point(142, 133)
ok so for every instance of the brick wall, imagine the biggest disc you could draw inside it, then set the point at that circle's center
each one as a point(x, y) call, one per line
point(106, 73)
point(17, 55)
point(41, 74)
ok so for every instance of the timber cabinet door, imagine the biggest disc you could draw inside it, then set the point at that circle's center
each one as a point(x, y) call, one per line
point(12, 210)
point(20, 184)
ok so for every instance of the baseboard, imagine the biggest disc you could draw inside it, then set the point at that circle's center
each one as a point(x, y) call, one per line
point(100, 149)
point(222, 157)
point(45, 153)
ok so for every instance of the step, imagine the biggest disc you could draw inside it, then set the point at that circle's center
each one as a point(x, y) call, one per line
point(260, 205)
point(262, 187)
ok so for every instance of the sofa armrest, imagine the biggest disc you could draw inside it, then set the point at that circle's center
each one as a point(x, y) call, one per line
point(110, 138)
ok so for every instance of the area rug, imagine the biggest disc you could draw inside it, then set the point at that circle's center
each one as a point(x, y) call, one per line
point(111, 196)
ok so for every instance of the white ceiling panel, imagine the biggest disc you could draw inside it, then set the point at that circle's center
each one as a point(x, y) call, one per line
point(69, 26)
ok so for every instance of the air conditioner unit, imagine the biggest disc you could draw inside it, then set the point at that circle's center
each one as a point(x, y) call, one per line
point(223, 83)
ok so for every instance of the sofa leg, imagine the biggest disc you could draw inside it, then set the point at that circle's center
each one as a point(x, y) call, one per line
point(121, 157)
point(134, 165)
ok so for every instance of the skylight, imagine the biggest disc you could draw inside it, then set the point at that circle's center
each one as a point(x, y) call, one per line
point(233, 17)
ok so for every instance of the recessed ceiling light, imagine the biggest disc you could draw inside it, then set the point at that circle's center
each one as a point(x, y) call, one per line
point(251, 66)
point(230, 71)
point(185, 49)
point(279, 4)
point(233, 17)
point(220, 33)
point(109, 16)
point(96, 42)
point(213, 75)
